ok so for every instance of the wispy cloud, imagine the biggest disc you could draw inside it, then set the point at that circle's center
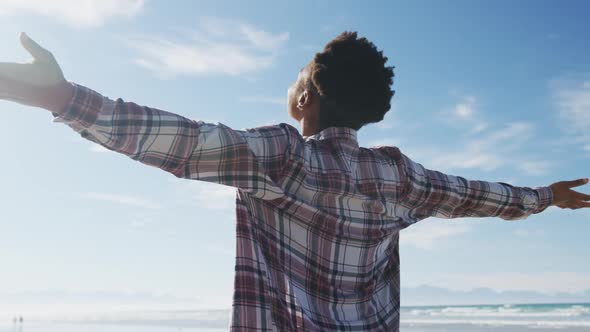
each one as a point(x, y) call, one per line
point(215, 196)
point(487, 152)
point(572, 100)
point(205, 195)
point(425, 234)
point(465, 109)
point(264, 100)
point(260, 38)
point(536, 168)
point(122, 199)
point(76, 13)
point(485, 146)
point(465, 113)
point(215, 46)
point(502, 145)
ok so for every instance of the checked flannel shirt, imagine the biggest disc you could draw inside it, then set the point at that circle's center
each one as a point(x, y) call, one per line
point(317, 218)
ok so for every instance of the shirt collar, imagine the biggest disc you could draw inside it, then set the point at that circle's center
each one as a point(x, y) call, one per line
point(335, 132)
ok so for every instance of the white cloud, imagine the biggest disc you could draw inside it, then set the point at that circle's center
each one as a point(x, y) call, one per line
point(465, 109)
point(513, 135)
point(465, 114)
point(264, 100)
point(214, 196)
point(488, 152)
point(478, 127)
point(263, 39)
point(77, 13)
point(217, 46)
point(469, 158)
point(205, 195)
point(424, 234)
point(572, 100)
point(536, 168)
point(122, 199)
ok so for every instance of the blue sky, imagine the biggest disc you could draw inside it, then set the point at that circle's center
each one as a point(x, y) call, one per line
point(495, 91)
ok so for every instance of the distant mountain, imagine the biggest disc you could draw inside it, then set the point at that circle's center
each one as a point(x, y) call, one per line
point(410, 296)
point(429, 295)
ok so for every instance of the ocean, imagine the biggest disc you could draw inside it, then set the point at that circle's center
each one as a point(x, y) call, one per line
point(506, 317)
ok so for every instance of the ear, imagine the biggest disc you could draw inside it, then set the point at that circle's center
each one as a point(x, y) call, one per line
point(303, 99)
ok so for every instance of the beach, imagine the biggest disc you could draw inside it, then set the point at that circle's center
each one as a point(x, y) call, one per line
point(79, 327)
point(571, 317)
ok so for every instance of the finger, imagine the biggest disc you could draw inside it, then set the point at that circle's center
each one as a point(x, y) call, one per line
point(576, 183)
point(38, 52)
point(581, 196)
point(574, 205)
point(582, 204)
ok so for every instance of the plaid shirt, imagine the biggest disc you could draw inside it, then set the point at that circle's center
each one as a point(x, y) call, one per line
point(318, 217)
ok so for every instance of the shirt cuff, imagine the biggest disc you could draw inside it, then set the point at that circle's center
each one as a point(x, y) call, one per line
point(83, 108)
point(545, 195)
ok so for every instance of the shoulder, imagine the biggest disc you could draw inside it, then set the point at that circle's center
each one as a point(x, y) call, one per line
point(281, 129)
point(391, 153)
point(281, 134)
point(272, 140)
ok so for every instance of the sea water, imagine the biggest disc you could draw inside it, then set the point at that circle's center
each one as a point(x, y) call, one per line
point(503, 317)
point(565, 316)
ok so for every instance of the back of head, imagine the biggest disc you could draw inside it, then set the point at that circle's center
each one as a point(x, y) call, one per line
point(352, 81)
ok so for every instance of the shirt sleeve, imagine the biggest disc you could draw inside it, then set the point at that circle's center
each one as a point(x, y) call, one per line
point(429, 193)
point(252, 160)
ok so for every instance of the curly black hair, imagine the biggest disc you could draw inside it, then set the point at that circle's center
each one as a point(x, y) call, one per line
point(352, 81)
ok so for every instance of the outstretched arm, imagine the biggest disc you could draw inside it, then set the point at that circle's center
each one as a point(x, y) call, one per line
point(252, 160)
point(430, 193)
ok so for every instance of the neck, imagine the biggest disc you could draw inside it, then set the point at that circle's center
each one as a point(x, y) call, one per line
point(309, 127)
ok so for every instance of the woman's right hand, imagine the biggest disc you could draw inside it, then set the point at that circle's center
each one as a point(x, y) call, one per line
point(39, 83)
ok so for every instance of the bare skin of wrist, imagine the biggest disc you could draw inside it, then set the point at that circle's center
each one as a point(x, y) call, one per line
point(57, 97)
point(54, 97)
